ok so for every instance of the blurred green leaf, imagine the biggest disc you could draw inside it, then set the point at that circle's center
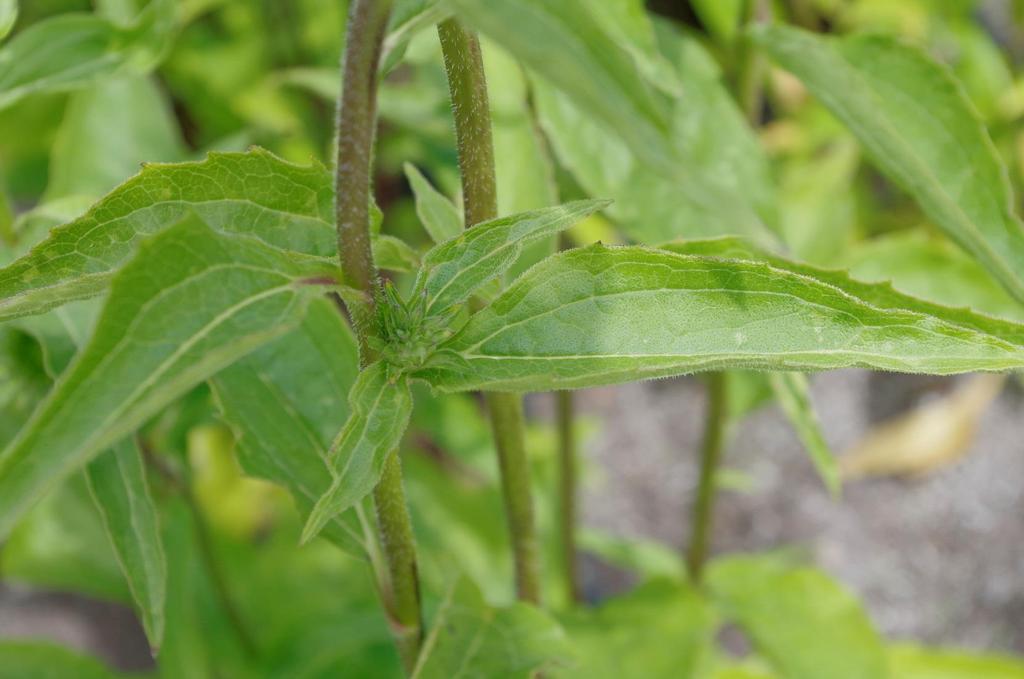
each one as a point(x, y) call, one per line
point(73, 50)
point(722, 17)
point(718, 181)
point(42, 660)
point(603, 315)
point(8, 16)
point(915, 662)
point(23, 379)
point(803, 622)
point(919, 128)
point(469, 638)
point(109, 129)
point(661, 629)
point(379, 414)
point(189, 303)
point(61, 544)
point(912, 260)
point(117, 481)
point(793, 394)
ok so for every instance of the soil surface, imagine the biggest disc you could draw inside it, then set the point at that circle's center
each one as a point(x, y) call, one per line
point(939, 559)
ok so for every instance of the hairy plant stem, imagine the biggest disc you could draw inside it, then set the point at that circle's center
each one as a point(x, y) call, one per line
point(710, 457)
point(567, 492)
point(471, 111)
point(357, 109)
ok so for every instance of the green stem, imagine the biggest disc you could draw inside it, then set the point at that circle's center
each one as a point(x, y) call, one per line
point(471, 111)
point(357, 120)
point(400, 550)
point(711, 452)
point(357, 109)
point(506, 412)
point(470, 108)
point(567, 492)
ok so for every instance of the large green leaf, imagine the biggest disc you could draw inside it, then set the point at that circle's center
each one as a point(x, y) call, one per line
point(380, 407)
point(881, 295)
point(107, 131)
point(468, 638)
point(74, 50)
point(191, 302)
point(286, 401)
point(919, 128)
point(252, 193)
point(914, 662)
point(117, 480)
point(603, 315)
point(661, 629)
point(720, 181)
point(804, 623)
point(42, 660)
point(455, 269)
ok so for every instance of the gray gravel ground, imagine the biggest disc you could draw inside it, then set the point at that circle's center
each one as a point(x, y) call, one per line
point(938, 559)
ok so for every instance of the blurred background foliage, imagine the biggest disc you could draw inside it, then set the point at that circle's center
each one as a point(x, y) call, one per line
point(207, 75)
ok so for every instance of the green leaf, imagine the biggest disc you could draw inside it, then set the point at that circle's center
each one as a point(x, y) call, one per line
point(439, 216)
point(408, 18)
point(825, 633)
point(251, 193)
point(719, 182)
point(793, 394)
point(61, 544)
point(286, 401)
point(603, 315)
point(565, 42)
point(23, 379)
point(42, 660)
point(455, 269)
point(107, 131)
point(8, 16)
point(913, 662)
point(191, 302)
point(881, 295)
point(919, 128)
point(394, 254)
point(380, 408)
point(661, 629)
point(469, 638)
point(255, 193)
point(117, 481)
point(909, 259)
point(73, 50)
